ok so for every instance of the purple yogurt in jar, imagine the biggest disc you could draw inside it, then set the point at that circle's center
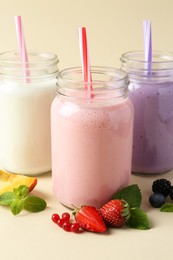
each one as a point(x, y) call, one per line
point(151, 93)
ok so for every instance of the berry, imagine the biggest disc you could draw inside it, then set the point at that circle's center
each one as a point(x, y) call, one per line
point(88, 218)
point(55, 217)
point(115, 212)
point(157, 200)
point(171, 193)
point(75, 227)
point(66, 225)
point(162, 186)
point(60, 222)
point(65, 216)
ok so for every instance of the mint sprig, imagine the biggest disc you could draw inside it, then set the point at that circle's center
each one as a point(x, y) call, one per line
point(20, 199)
point(132, 195)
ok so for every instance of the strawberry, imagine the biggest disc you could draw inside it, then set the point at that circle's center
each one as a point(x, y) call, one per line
point(115, 212)
point(89, 218)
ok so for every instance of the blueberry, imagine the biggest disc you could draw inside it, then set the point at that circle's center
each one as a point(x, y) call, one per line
point(157, 200)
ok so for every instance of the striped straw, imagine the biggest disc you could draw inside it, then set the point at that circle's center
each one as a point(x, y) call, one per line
point(85, 58)
point(22, 48)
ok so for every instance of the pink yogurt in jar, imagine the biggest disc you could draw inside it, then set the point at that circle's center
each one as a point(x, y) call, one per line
point(91, 136)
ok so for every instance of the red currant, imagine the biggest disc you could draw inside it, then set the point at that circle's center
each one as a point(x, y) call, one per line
point(60, 222)
point(75, 227)
point(66, 216)
point(55, 217)
point(67, 226)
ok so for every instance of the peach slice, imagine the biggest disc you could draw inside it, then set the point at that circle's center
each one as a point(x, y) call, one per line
point(8, 181)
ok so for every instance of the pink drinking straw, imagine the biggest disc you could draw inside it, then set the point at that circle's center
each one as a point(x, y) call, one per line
point(85, 58)
point(148, 44)
point(22, 47)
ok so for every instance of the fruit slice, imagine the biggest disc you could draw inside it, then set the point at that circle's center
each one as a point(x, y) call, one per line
point(9, 181)
point(89, 218)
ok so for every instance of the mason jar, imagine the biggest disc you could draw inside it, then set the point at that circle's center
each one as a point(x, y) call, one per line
point(151, 92)
point(91, 131)
point(26, 93)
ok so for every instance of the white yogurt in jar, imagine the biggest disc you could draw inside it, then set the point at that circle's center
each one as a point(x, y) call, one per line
point(25, 124)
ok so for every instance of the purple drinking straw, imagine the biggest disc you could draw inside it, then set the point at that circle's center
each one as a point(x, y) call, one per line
point(148, 45)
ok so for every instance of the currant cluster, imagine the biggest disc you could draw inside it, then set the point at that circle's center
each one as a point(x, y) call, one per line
point(65, 222)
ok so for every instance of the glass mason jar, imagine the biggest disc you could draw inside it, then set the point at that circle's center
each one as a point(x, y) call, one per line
point(91, 135)
point(26, 94)
point(151, 92)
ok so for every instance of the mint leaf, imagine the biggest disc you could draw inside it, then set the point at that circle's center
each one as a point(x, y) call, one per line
point(19, 199)
point(7, 198)
point(167, 207)
point(16, 206)
point(138, 219)
point(21, 192)
point(131, 194)
point(34, 204)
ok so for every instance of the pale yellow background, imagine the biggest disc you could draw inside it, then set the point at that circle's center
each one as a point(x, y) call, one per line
point(113, 27)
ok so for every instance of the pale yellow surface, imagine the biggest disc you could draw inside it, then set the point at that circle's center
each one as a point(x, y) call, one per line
point(113, 27)
point(33, 236)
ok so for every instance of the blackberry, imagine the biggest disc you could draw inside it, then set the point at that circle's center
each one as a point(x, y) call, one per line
point(171, 193)
point(157, 200)
point(162, 186)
